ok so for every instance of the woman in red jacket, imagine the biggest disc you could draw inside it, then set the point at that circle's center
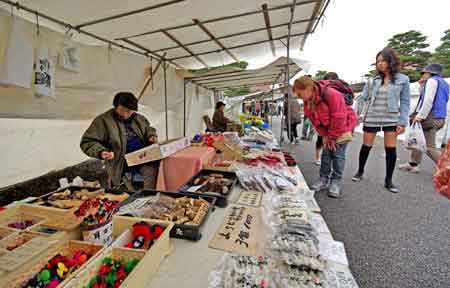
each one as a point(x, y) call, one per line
point(334, 120)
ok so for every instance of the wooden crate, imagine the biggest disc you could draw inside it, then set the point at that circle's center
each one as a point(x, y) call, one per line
point(20, 213)
point(134, 279)
point(67, 248)
point(10, 240)
point(5, 232)
point(149, 259)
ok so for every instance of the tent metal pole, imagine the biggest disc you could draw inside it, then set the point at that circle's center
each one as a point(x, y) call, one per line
point(184, 108)
point(287, 69)
point(220, 19)
point(130, 13)
point(237, 47)
point(165, 100)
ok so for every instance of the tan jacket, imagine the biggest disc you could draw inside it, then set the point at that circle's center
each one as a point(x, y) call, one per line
point(107, 133)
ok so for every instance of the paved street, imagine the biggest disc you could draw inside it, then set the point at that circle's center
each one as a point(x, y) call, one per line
point(394, 241)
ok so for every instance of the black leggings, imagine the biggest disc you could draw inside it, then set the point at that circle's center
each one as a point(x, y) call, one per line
point(319, 142)
point(294, 134)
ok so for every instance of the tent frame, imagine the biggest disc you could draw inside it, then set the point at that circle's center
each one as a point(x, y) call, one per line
point(319, 9)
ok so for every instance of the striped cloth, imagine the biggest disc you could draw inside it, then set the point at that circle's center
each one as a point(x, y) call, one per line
point(378, 115)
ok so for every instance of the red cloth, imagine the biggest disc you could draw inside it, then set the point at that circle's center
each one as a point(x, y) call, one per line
point(331, 119)
point(441, 177)
point(177, 169)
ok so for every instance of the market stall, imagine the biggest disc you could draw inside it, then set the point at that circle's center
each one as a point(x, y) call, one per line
point(246, 218)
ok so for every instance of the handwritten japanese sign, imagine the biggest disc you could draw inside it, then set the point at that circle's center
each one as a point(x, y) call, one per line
point(241, 232)
point(250, 198)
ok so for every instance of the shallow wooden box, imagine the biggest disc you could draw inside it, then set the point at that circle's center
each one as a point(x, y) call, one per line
point(149, 259)
point(67, 248)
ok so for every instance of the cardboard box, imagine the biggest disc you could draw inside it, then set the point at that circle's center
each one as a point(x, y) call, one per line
point(157, 151)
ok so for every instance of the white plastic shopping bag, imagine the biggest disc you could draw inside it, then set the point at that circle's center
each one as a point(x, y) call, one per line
point(69, 56)
point(415, 140)
point(17, 67)
point(44, 80)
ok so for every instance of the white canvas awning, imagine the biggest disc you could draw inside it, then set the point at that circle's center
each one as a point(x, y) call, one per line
point(189, 34)
point(223, 79)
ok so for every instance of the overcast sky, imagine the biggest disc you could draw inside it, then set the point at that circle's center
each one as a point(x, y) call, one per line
point(353, 31)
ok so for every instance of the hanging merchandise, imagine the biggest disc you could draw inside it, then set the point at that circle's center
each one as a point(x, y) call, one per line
point(44, 81)
point(17, 67)
point(69, 56)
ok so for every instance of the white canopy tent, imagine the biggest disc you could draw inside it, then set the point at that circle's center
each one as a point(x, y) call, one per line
point(195, 34)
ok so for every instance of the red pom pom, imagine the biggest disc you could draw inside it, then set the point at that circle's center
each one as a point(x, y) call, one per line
point(142, 229)
point(157, 231)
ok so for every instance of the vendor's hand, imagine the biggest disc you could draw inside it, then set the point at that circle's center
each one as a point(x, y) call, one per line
point(153, 139)
point(107, 155)
point(400, 130)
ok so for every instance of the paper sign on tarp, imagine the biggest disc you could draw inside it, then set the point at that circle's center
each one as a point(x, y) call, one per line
point(339, 276)
point(17, 67)
point(44, 80)
point(333, 251)
point(319, 224)
point(241, 232)
point(250, 198)
point(157, 151)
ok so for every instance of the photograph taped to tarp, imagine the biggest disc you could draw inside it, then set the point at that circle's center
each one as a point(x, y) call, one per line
point(44, 80)
point(69, 56)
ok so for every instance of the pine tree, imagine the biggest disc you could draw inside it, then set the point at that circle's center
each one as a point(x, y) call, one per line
point(410, 47)
point(442, 54)
point(320, 74)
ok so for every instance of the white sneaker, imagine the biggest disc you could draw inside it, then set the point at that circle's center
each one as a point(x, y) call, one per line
point(405, 167)
point(415, 169)
point(317, 162)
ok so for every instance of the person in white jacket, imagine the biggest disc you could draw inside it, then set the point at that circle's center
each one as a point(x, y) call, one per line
point(431, 111)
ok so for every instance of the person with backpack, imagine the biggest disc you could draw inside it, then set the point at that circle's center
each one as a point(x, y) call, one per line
point(327, 104)
point(319, 141)
point(430, 112)
point(387, 99)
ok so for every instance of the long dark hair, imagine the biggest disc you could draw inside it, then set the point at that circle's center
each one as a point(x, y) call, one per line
point(395, 64)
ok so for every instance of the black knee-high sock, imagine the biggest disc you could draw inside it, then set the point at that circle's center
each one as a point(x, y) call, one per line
point(391, 158)
point(363, 155)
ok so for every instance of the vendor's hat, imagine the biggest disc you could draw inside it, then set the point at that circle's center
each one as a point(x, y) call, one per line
point(433, 69)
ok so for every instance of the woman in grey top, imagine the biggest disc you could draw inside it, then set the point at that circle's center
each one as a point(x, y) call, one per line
point(388, 111)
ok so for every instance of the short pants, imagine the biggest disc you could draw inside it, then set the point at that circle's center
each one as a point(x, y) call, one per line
point(380, 128)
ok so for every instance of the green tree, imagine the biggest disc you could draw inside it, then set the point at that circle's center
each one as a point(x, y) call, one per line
point(236, 92)
point(320, 74)
point(441, 54)
point(410, 47)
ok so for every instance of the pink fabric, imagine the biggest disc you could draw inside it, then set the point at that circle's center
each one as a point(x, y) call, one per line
point(179, 168)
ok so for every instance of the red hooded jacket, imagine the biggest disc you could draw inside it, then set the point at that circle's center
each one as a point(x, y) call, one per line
point(333, 117)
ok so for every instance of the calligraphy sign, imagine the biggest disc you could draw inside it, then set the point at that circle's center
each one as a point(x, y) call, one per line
point(241, 232)
point(250, 198)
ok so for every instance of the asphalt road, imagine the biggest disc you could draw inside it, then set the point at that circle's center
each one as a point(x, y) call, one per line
point(392, 240)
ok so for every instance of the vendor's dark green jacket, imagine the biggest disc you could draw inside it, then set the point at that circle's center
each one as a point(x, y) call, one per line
point(107, 133)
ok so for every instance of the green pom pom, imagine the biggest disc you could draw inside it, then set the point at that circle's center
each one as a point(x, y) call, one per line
point(44, 276)
point(108, 261)
point(130, 265)
point(92, 282)
point(111, 278)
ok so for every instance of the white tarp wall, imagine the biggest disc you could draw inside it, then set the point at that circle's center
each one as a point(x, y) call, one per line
point(48, 136)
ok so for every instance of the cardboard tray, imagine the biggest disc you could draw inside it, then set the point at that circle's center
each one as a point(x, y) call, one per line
point(157, 151)
point(95, 191)
point(182, 231)
point(222, 200)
